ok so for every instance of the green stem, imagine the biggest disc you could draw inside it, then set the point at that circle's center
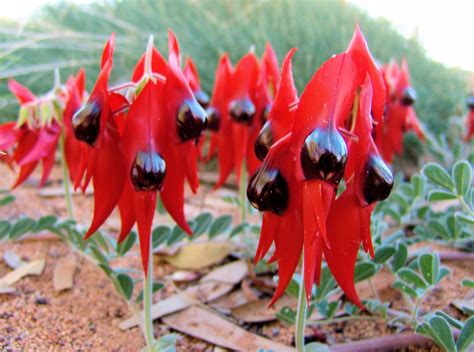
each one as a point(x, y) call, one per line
point(148, 301)
point(415, 311)
point(300, 313)
point(67, 189)
point(243, 192)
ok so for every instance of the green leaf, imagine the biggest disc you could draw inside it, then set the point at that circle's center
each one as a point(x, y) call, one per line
point(442, 329)
point(467, 335)
point(383, 253)
point(220, 225)
point(6, 200)
point(286, 315)
point(5, 228)
point(465, 218)
point(400, 256)
point(438, 329)
point(107, 269)
point(437, 175)
point(316, 347)
point(127, 243)
point(419, 184)
point(462, 176)
point(166, 343)
point(438, 228)
point(203, 221)
point(99, 238)
point(21, 227)
point(402, 286)
point(45, 223)
point(126, 284)
point(364, 270)
point(410, 276)
point(326, 285)
point(468, 283)
point(239, 229)
point(156, 287)
point(442, 273)
point(451, 321)
point(293, 287)
point(177, 234)
point(429, 267)
point(435, 196)
point(160, 235)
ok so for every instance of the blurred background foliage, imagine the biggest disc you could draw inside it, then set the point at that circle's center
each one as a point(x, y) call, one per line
point(69, 36)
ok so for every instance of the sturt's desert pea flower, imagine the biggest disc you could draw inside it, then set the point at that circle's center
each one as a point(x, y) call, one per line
point(329, 139)
point(400, 115)
point(148, 143)
point(248, 94)
point(34, 137)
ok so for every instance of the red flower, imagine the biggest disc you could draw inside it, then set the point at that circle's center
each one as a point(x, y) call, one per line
point(400, 115)
point(150, 149)
point(331, 138)
point(34, 138)
point(249, 97)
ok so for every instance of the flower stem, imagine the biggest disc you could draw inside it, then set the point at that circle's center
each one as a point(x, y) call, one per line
point(147, 301)
point(67, 189)
point(300, 313)
point(242, 192)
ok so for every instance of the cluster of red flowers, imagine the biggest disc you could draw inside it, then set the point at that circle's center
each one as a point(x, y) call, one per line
point(239, 108)
point(144, 137)
point(470, 115)
point(327, 137)
point(35, 136)
point(400, 115)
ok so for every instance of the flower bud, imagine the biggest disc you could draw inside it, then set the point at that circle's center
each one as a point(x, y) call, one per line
point(264, 141)
point(378, 181)
point(268, 191)
point(408, 96)
point(86, 123)
point(213, 119)
point(191, 120)
point(242, 111)
point(148, 171)
point(324, 155)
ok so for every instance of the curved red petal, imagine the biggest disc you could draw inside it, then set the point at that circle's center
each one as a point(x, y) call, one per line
point(145, 204)
point(22, 93)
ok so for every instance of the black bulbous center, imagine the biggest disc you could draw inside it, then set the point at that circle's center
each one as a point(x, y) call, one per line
point(202, 98)
point(378, 181)
point(86, 123)
point(242, 111)
point(148, 171)
point(191, 120)
point(408, 96)
point(213, 119)
point(324, 155)
point(268, 191)
point(470, 102)
point(264, 141)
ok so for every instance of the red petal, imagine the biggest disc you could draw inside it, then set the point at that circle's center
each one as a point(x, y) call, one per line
point(343, 226)
point(45, 143)
point(48, 163)
point(127, 211)
point(271, 68)
point(25, 172)
point(9, 134)
point(270, 225)
point(22, 93)
point(145, 203)
point(108, 179)
point(191, 73)
point(108, 52)
point(365, 64)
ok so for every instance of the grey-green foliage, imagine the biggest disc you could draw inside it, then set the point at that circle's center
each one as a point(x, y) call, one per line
point(71, 35)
